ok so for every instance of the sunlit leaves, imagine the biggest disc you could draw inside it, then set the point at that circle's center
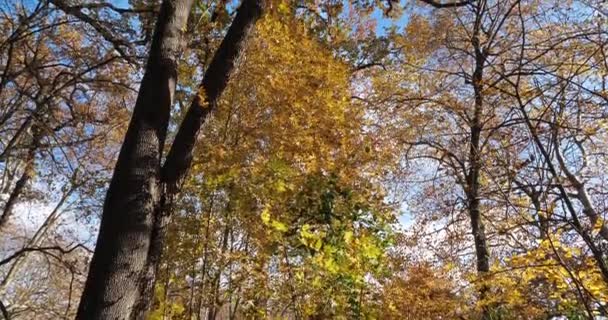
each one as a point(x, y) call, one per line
point(280, 202)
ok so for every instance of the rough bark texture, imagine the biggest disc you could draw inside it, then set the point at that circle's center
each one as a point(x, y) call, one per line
point(213, 84)
point(137, 206)
point(473, 177)
point(119, 262)
point(179, 157)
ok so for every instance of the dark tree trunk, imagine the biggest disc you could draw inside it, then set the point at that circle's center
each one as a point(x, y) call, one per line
point(137, 206)
point(119, 262)
point(179, 157)
point(473, 185)
point(473, 176)
point(213, 84)
point(21, 184)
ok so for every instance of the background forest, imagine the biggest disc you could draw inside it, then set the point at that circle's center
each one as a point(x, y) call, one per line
point(367, 159)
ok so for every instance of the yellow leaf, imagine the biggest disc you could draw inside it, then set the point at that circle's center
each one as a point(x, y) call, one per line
point(348, 236)
point(597, 226)
point(265, 215)
point(279, 226)
point(283, 7)
point(318, 243)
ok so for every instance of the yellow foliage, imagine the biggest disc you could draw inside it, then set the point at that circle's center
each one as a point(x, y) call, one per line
point(422, 292)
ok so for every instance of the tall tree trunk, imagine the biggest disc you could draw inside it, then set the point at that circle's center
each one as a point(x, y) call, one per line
point(473, 176)
point(473, 186)
point(179, 157)
point(137, 206)
point(119, 262)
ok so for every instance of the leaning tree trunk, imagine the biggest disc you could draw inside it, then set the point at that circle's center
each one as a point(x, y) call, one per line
point(119, 262)
point(137, 206)
point(179, 157)
point(579, 185)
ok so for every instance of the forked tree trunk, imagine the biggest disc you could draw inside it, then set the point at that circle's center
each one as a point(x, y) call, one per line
point(119, 262)
point(139, 201)
point(179, 158)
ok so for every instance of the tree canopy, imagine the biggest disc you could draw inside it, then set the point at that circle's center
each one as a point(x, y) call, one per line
point(278, 159)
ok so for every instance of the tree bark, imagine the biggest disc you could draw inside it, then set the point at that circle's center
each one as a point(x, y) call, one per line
point(136, 210)
point(119, 262)
point(473, 186)
point(179, 157)
point(473, 176)
point(213, 84)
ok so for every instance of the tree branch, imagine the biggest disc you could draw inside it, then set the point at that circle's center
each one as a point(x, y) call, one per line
point(42, 249)
point(213, 84)
point(4, 311)
point(439, 4)
point(116, 42)
point(113, 8)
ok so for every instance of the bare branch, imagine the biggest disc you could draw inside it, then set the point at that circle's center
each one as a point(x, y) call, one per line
point(117, 43)
point(439, 4)
point(44, 250)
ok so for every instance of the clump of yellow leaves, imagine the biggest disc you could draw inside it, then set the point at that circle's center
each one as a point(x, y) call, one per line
point(421, 291)
point(552, 271)
point(281, 167)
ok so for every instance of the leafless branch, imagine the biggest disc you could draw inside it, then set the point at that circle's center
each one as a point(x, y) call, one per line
point(440, 4)
point(44, 250)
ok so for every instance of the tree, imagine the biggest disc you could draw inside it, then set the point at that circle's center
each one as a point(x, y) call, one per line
point(123, 267)
point(452, 76)
point(483, 123)
point(59, 117)
point(265, 215)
